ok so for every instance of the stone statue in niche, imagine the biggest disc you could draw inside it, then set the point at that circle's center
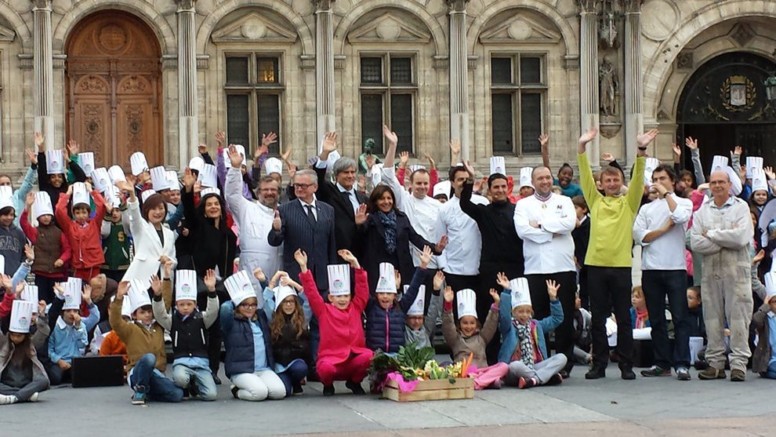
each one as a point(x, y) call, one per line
point(609, 87)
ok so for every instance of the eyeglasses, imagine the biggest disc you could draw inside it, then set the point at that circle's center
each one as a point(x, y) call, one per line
point(303, 186)
point(249, 306)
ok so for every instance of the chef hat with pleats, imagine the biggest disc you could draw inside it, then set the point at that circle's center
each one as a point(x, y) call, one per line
point(196, 163)
point(498, 165)
point(6, 197)
point(207, 176)
point(759, 180)
point(239, 287)
point(146, 194)
point(80, 194)
point(240, 149)
point(159, 179)
point(72, 293)
point(273, 165)
point(116, 174)
point(386, 283)
point(138, 163)
point(21, 316)
point(525, 177)
point(138, 294)
point(520, 293)
point(55, 161)
point(339, 279)
point(185, 285)
point(86, 161)
point(753, 162)
point(467, 303)
point(172, 180)
point(418, 307)
point(100, 179)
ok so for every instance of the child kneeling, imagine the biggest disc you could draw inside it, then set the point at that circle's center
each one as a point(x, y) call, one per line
point(522, 337)
point(342, 354)
point(188, 326)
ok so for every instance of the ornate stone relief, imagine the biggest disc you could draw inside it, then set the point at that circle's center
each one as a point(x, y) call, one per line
point(388, 27)
point(520, 28)
point(254, 27)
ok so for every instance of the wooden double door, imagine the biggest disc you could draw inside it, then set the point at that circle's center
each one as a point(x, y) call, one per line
point(113, 80)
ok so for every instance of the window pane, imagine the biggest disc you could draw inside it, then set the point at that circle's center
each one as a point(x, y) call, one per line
point(372, 70)
point(269, 118)
point(372, 120)
point(237, 125)
point(530, 70)
point(401, 71)
point(502, 123)
point(401, 120)
point(268, 70)
point(501, 70)
point(236, 70)
point(530, 122)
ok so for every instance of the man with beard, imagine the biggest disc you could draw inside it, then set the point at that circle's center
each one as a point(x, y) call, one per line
point(254, 219)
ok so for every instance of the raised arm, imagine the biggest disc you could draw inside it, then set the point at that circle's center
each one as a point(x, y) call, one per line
point(586, 181)
point(544, 141)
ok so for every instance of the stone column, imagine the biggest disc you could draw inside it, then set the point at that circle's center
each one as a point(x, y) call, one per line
point(324, 70)
point(634, 121)
point(188, 137)
point(43, 71)
point(459, 79)
point(588, 74)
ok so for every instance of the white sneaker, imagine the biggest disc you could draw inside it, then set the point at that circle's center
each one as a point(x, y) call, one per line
point(8, 399)
point(34, 397)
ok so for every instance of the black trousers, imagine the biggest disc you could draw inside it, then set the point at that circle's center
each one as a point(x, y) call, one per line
point(540, 300)
point(610, 289)
point(488, 272)
point(460, 282)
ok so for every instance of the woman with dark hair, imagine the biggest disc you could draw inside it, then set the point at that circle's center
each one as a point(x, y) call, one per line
point(387, 234)
point(154, 243)
point(215, 248)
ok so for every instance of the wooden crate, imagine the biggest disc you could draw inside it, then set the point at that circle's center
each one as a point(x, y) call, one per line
point(432, 390)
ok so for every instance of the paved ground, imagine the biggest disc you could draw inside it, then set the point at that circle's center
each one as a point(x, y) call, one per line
point(611, 406)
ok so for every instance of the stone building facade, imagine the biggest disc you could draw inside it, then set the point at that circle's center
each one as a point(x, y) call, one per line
point(163, 76)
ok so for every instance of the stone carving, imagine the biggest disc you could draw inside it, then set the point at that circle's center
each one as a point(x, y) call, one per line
point(609, 83)
point(607, 29)
point(664, 19)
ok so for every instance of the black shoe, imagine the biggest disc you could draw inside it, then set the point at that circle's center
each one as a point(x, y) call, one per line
point(627, 374)
point(556, 379)
point(297, 389)
point(186, 393)
point(234, 391)
point(193, 389)
point(216, 379)
point(355, 387)
point(656, 371)
point(596, 373)
point(565, 374)
point(328, 390)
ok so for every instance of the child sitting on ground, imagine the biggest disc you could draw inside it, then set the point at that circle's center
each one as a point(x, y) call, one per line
point(638, 311)
point(469, 339)
point(187, 326)
point(523, 345)
point(342, 354)
point(22, 376)
point(419, 330)
point(583, 338)
point(144, 339)
point(384, 317)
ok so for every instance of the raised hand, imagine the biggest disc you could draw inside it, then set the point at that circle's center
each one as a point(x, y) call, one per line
point(220, 138)
point(301, 258)
point(29, 200)
point(469, 168)
point(275, 278)
point(645, 138)
point(122, 289)
point(608, 157)
point(5, 280)
point(544, 139)
point(76, 320)
point(40, 141)
point(677, 149)
point(502, 280)
point(42, 307)
point(404, 159)
point(20, 287)
point(210, 280)
point(29, 252)
point(769, 172)
point(329, 142)
point(455, 147)
point(189, 179)
point(738, 150)
point(552, 289)
point(277, 223)
point(86, 294)
point(691, 143)
point(588, 136)
point(425, 257)
point(431, 162)
point(167, 268)
point(442, 243)
point(496, 297)
point(124, 186)
point(156, 285)
point(349, 258)
point(391, 136)
point(449, 295)
point(285, 155)
point(361, 214)
point(32, 156)
point(438, 280)
point(268, 139)
point(202, 149)
point(234, 157)
point(72, 147)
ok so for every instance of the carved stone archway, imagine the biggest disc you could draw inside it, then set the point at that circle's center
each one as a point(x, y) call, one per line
point(113, 88)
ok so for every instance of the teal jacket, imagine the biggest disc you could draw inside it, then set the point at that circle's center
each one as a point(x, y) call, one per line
point(538, 327)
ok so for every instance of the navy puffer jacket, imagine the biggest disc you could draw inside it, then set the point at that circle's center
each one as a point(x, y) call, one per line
point(385, 328)
point(238, 341)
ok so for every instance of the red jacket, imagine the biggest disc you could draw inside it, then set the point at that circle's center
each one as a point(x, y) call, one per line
point(342, 331)
point(85, 241)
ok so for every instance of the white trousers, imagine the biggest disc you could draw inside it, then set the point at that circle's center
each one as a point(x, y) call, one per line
point(259, 386)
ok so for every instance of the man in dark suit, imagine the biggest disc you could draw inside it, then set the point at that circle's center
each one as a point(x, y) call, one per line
point(342, 195)
point(308, 224)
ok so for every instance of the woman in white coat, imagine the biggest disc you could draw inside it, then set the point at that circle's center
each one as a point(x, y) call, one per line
point(154, 243)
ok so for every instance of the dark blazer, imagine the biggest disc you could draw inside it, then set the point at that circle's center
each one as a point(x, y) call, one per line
point(373, 236)
point(316, 238)
point(345, 219)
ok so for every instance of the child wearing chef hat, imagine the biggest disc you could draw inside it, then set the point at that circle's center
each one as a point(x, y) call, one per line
point(187, 326)
point(342, 354)
point(764, 320)
point(385, 316)
point(523, 346)
point(52, 166)
point(144, 338)
point(83, 231)
point(419, 328)
point(22, 373)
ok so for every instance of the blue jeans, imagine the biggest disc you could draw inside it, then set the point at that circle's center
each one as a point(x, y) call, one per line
point(657, 284)
point(771, 373)
point(146, 378)
point(203, 378)
point(294, 375)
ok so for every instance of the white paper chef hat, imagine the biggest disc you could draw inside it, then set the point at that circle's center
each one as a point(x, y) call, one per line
point(21, 316)
point(649, 168)
point(442, 188)
point(80, 194)
point(208, 191)
point(30, 294)
point(172, 180)
point(72, 293)
point(86, 161)
point(770, 286)
point(333, 157)
point(416, 167)
point(6, 197)
point(196, 163)
point(521, 295)
point(719, 163)
point(281, 293)
point(467, 303)
point(113, 196)
point(126, 307)
point(240, 149)
point(339, 279)
point(42, 205)
point(138, 294)
point(497, 165)
point(525, 177)
point(376, 173)
point(100, 179)
point(759, 180)
point(185, 285)
point(386, 283)
point(239, 287)
point(753, 162)
point(138, 163)
point(159, 179)
point(207, 176)
point(273, 165)
point(146, 194)
point(55, 161)
point(116, 174)
point(418, 307)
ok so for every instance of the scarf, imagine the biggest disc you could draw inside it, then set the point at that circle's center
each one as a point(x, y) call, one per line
point(524, 342)
point(642, 317)
point(389, 224)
